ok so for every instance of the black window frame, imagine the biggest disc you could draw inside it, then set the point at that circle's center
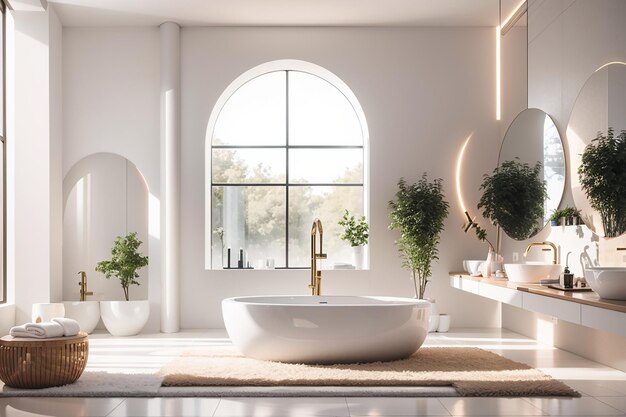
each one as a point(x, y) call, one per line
point(286, 184)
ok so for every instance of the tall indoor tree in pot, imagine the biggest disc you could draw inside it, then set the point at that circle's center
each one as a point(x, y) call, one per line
point(418, 213)
point(124, 318)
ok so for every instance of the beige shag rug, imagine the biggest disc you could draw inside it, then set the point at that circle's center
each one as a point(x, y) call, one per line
point(472, 372)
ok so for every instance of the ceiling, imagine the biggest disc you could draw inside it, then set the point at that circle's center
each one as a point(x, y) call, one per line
point(278, 12)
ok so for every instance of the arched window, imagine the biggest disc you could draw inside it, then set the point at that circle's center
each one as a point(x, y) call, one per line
point(287, 144)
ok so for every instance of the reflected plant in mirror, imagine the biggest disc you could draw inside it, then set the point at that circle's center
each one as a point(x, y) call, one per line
point(602, 175)
point(513, 197)
point(533, 137)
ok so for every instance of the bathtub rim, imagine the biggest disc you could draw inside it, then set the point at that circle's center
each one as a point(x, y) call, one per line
point(399, 301)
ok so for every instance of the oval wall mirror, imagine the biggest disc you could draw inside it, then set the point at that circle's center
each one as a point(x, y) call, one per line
point(600, 105)
point(533, 137)
point(105, 196)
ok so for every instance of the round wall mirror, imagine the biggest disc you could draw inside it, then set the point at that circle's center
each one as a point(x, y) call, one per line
point(105, 196)
point(533, 137)
point(600, 105)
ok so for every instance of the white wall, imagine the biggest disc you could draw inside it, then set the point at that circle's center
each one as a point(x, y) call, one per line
point(423, 92)
point(568, 41)
point(111, 104)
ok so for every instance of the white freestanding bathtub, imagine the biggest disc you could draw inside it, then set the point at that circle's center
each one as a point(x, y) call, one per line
point(326, 329)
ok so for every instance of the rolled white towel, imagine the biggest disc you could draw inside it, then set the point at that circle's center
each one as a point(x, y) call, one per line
point(70, 326)
point(19, 331)
point(44, 330)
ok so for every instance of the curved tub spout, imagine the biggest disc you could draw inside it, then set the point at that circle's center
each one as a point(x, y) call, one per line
point(316, 275)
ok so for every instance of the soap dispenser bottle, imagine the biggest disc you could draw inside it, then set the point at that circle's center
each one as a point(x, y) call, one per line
point(568, 277)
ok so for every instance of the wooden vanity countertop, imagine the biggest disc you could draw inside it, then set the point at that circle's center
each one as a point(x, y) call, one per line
point(582, 297)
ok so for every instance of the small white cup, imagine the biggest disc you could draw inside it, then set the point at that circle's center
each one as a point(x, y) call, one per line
point(444, 323)
point(47, 311)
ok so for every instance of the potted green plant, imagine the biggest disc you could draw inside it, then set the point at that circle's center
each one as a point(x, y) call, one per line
point(418, 213)
point(355, 232)
point(602, 175)
point(124, 318)
point(513, 197)
point(570, 216)
point(555, 217)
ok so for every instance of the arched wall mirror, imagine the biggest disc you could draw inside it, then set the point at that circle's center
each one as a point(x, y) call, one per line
point(600, 105)
point(105, 196)
point(533, 137)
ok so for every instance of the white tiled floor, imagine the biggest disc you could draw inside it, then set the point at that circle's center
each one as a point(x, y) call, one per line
point(603, 388)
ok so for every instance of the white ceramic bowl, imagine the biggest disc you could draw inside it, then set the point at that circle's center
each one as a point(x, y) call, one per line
point(125, 318)
point(472, 267)
point(608, 282)
point(531, 273)
point(86, 313)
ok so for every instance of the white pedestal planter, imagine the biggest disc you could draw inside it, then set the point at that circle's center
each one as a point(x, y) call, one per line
point(125, 318)
point(47, 311)
point(433, 321)
point(358, 257)
point(86, 313)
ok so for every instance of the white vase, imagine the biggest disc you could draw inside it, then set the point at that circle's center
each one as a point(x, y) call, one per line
point(47, 311)
point(492, 264)
point(125, 318)
point(357, 257)
point(433, 319)
point(444, 323)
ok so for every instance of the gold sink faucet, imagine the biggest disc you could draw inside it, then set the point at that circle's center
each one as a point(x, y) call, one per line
point(83, 286)
point(553, 247)
point(316, 275)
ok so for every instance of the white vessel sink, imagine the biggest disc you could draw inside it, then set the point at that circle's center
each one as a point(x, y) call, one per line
point(531, 272)
point(86, 313)
point(608, 282)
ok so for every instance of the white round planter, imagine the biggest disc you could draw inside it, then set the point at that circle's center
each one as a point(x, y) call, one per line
point(86, 313)
point(125, 318)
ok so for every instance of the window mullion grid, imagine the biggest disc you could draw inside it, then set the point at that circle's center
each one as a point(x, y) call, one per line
point(287, 169)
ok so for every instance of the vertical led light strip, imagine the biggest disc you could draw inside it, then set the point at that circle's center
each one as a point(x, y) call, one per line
point(497, 72)
point(459, 165)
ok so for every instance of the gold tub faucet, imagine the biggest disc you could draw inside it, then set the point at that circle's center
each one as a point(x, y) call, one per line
point(83, 286)
point(555, 251)
point(316, 275)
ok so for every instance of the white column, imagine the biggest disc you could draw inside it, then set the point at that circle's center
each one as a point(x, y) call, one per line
point(170, 176)
point(34, 149)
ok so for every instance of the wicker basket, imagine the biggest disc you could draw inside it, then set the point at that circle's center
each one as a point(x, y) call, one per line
point(42, 363)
